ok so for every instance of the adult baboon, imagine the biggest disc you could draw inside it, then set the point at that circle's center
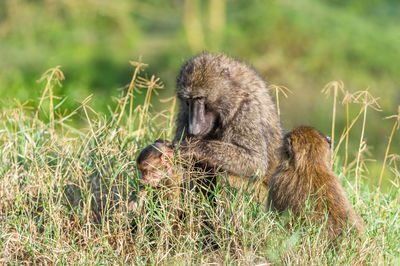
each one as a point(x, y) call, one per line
point(226, 117)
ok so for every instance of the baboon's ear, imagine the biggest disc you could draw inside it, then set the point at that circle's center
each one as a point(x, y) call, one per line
point(329, 140)
point(289, 149)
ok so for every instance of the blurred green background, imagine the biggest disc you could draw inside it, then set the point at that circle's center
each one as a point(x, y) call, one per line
point(302, 44)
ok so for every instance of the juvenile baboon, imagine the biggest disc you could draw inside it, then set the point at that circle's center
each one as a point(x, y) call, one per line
point(304, 172)
point(226, 117)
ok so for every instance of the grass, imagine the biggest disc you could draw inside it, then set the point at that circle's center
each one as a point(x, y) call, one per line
point(65, 194)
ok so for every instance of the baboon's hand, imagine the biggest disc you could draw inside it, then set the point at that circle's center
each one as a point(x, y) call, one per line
point(186, 149)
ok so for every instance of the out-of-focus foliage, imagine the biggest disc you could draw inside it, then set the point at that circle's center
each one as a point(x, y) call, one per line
point(300, 44)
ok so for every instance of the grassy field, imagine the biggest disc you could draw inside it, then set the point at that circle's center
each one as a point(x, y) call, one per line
point(64, 192)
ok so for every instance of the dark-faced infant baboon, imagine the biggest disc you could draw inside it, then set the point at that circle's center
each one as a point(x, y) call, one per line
point(227, 118)
point(304, 172)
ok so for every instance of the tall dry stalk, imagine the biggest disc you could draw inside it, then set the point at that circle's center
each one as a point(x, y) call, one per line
point(280, 89)
point(335, 86)
point(153, 84)
point(348, 97)
point(396, 125)
point(139, 66)
point(393, 159)
point(53, 76)
point(345, 133)
point(366, 99)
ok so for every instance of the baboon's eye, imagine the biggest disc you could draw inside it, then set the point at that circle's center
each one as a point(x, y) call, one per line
point(185, 101)
point(200, 99)
point(329, 140)
point(207, 106)
point(142, 173)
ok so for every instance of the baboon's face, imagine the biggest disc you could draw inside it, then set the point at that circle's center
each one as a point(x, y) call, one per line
point(201, 117)
point(153, 171)
point(155, 164)
point(203, 89)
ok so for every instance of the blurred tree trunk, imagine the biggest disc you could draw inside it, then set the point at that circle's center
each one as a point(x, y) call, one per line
point(192, 25)
point(216, 23)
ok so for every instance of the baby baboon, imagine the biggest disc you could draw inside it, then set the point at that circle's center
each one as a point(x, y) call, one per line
point(304, 172)
point(227, 116)
point(156, 166)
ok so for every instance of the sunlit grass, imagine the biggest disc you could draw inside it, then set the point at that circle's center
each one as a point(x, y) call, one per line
point(66, 195)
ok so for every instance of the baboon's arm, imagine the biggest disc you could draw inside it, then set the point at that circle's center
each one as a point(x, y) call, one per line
point(236, 159)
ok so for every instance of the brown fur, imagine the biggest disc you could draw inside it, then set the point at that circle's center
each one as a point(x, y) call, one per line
point(240, 131)
point(305, 171)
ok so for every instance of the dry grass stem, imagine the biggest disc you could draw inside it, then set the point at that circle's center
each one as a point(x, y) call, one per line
point(335, 86)
point(139, 66)
point(395, 126)
point(366, 100)
point(53, 76)
point(280, 89)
